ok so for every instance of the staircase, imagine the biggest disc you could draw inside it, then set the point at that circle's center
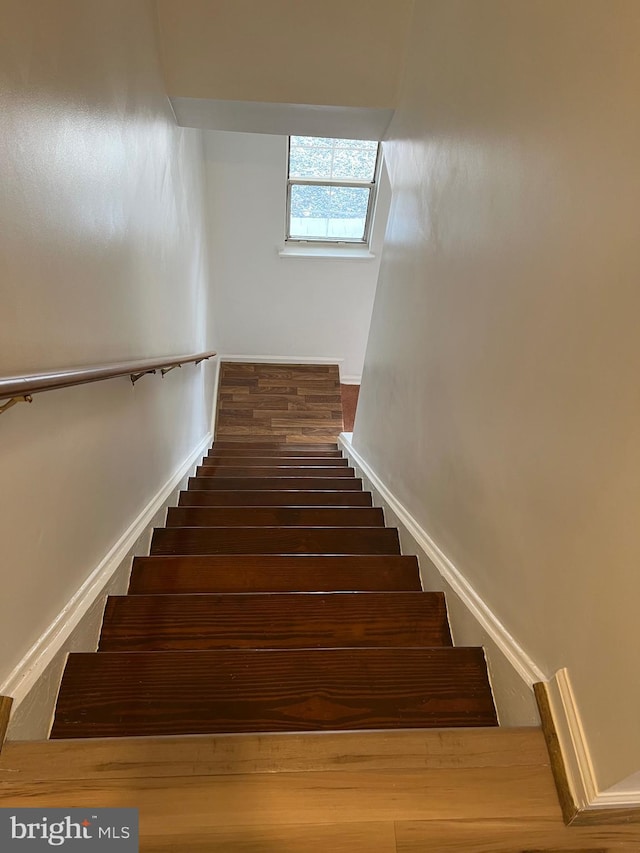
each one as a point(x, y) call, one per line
point(274, 600)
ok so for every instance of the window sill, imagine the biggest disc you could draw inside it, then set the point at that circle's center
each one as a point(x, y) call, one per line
point(332, 252)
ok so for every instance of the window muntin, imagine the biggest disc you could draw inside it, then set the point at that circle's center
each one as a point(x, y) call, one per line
point(330, 189)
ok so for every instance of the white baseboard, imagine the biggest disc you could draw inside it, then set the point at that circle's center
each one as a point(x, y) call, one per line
point(515, 654)
point(564, 711)
point(33, 683)
point(576, 757)
point(351, 379)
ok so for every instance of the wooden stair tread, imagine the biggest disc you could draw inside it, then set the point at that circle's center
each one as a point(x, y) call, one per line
point(152, 693)
point(285, 516)
point(272, 573)
point(227, 461)
point(279, 497)
point(273, 483)
point(272, 471)
point(274, 445)
point(275, 540)
point(281, 452)
point(270, 621)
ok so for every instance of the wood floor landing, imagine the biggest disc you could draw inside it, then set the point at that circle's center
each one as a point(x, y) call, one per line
point(289, 404)
point(438, 791)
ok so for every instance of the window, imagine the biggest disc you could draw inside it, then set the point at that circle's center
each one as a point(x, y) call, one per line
point(331, 187)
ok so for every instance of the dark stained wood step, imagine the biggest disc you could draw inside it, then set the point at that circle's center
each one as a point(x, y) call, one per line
point(274, 461)
point(272, 445)
point(271, 573)
point(267, 516)
point(281, 452)
point(274, 621)
point(277, 498)
point(273, 483)
point(275, 540)
point(117, 694)
point(272, 471)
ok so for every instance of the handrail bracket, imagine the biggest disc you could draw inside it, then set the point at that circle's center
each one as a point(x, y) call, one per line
point(165, 370)
point(25, 398)
point(135, 376)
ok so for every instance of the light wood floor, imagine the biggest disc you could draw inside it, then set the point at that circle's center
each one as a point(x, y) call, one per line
point(290, 403)
point(429, 791)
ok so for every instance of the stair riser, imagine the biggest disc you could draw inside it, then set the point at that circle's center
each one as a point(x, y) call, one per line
point(336, 620)
point(274, 540)
point(273, 517)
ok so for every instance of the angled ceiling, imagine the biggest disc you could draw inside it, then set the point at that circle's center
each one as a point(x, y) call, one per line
point(284, 66)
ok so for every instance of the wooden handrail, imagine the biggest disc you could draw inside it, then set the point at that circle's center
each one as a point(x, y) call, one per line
point(21, 387)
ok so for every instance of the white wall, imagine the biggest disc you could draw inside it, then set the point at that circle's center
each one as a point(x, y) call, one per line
point(500, 392)
point(270, 305)
point(103, 259)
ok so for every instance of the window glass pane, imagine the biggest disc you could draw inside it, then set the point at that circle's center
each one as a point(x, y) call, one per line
point(312, 141)
point(353, 164)
point(310, 162)
point(328, 213)
point(332, 159)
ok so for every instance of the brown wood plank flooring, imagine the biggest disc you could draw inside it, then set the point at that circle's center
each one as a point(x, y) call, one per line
point(483, 790)
point(286, 403)
point(273, 573)
point(291, 620)
point(154, 693)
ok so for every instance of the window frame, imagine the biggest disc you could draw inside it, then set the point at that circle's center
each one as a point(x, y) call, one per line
point(318, 242)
